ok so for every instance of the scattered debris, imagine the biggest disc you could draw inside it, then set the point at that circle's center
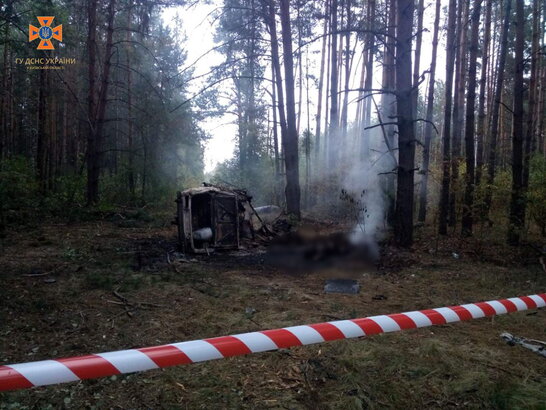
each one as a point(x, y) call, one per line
point(33, 275)
point(307, 250)
point(130, 307)
point(379, 297)
point(176, 257)
point(349, 286)
point(36, 273)
point(536, 346)
point(202, 235)
point(265, 215)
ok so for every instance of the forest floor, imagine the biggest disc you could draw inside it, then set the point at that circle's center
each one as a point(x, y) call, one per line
point(58, 283)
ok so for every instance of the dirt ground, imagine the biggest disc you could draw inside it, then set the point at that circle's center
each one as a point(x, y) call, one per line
point(58, 283)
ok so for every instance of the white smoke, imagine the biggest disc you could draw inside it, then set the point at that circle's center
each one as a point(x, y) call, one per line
point(365, 182)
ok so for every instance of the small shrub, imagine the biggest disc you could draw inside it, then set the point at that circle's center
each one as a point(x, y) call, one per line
point(18, 190)
point(98, 280)
point(70, 254)
point(536, 195)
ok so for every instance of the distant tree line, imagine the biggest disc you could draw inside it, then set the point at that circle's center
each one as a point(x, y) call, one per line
point(451, 146)
point(104, 128)
point(316, 89)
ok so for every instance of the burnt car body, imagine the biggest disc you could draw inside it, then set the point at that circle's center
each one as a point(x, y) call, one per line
point(212, 217)
point(208, 218)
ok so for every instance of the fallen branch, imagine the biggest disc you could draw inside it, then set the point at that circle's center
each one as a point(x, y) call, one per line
point(35, 275)
point(126, 303)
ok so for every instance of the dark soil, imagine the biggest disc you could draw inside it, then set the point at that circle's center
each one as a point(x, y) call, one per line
point(61, 288)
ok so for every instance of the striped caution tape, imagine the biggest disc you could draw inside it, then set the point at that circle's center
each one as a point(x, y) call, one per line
point(41, 373)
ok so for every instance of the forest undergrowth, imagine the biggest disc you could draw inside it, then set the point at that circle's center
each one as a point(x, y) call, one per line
point(63, 281)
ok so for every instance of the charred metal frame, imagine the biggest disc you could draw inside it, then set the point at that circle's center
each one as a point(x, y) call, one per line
point(222, 217)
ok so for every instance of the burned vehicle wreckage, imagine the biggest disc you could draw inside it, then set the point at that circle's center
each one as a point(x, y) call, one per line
point(211, 217)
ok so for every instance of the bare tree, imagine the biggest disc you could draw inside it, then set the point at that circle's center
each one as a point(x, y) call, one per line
point(530, 140)
point(450, 59)
point(482, 118)
point(334, 70)
point(92, 160)
point(458, 107)
point(4, 93)
point(347, 77)
point(405, 114)
point(496, 107)
point(368, 66)
point(517, 208)
point(321, 82)
point(429, 127)
point(417, 62)
point(467, 219)
point(131, 165)
point(42, 143)
point(269, 15)
point(291, 145)
point(275, 128)
point(388, 107)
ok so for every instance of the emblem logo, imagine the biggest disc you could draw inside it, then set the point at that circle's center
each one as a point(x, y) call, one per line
point(45, 32)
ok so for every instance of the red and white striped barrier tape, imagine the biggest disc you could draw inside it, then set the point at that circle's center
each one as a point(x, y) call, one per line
point(41, 373)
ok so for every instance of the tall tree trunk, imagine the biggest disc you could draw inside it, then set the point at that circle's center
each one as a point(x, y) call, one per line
point(96, 156)
point(496, 24)
point(242, 124)
point(530, 139)
point(291, 153)
point(52, 142)
point(467, 219)
point(458, 109)
point(326, 139)
point(482, 118)
point(300, 69)
point(334, 115)
point(367, 99)
point(360, 102)
point(423, 190)
point(4, 119)
point(406, 137)
point(144, 172)
point(496, 107)
point(542, 99)
point(43, 138)
point(275, 128)
point(321, 84)
point(308, 132)
point(388, 106)
point(446, 157)
point(269, 11)
point(252, 141)
point(345, 108)
point(541, 70)
point(92, 155)
point(370, 46)
point(417, 62)
point(64, 134)
point(517, 202)
point(130, 148)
